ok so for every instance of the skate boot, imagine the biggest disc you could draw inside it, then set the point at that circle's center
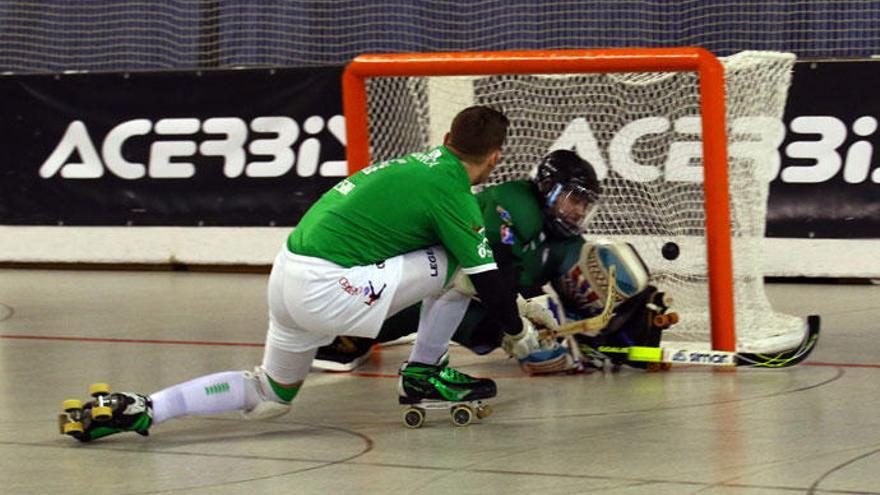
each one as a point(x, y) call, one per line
point(106, 414)
point(426, 386)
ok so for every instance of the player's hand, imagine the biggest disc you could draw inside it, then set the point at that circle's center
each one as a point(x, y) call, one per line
point(537, 310)
point(535, 314)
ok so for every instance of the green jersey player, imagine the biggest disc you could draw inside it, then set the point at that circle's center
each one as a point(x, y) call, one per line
point(386, 238)
point(533, 228)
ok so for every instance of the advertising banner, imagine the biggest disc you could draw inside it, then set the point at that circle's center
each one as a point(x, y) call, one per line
point(829, 182)
point(219, 148)
point(257, 147)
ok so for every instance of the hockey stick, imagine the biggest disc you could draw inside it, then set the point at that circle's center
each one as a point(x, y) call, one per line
point(787, 358)
point(593, 325)
point(782, 359)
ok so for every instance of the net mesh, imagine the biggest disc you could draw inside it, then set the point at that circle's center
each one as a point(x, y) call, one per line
point(641, 131)
point(185, 34)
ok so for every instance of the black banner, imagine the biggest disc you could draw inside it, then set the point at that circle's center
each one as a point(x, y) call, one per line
point(829, 181)
point(258, 147)
point(224, 148)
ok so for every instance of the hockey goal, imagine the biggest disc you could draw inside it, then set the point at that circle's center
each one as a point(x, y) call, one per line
point(683, 142)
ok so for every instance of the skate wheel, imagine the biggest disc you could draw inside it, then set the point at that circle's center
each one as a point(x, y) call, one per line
point(657, 367)
point(660, 321)
point(72, 427)
point(484, 411)
point(462, 415)
point(97, 389)
point(63, 419)
point(102, 413)
point(413, 417)
point(71, 405)
point(672, 317)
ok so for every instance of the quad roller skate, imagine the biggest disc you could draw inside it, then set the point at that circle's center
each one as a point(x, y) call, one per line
point(425, 386)
point(659, 305)
point(462, 413)
point(106, 414)
point(661, 319)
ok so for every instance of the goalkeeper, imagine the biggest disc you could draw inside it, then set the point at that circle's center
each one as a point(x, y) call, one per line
point(534, 228)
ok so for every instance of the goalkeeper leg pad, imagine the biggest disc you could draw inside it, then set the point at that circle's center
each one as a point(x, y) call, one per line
point(549, 359)
point(631, 271)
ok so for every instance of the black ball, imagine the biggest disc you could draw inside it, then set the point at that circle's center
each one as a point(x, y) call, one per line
point(670, 250)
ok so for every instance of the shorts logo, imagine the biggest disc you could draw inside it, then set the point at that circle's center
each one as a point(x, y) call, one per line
point(372, 294)
point(369, 291)
point(348, 288)
point(432, 262)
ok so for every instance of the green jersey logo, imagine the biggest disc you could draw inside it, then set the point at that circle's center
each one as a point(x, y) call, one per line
point(344, 187)
point(483, 249)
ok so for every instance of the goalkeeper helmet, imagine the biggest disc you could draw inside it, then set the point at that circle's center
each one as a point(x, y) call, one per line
point(569, 190)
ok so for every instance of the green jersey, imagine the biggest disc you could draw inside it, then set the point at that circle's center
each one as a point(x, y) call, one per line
point(514, 218)
point(395, 207)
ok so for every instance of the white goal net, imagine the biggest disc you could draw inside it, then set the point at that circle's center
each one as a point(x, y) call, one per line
point(52, 36)
point(641, 131)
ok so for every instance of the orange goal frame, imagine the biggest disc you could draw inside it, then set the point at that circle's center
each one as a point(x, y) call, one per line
point(712, 109)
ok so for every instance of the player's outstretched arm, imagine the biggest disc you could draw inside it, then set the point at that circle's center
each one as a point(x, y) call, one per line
point(519, 322)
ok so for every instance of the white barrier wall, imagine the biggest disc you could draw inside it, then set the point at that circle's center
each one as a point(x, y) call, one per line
point(258, 246)
point(142, 245)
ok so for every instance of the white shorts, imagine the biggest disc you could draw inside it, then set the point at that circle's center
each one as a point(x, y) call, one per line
point(312, 300)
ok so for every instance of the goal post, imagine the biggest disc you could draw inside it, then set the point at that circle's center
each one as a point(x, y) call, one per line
point(405, 112)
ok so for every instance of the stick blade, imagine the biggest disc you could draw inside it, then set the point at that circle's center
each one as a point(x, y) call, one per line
point(787, 358)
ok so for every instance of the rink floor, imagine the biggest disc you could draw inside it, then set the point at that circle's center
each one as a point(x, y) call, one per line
point(814, 428)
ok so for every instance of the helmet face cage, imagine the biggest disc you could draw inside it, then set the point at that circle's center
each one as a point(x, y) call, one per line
point(571, 192)
point(570, 207)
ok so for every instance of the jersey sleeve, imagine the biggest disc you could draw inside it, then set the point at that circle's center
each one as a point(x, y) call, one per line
point(462, 232)
point(497, 219)
point(512, 214)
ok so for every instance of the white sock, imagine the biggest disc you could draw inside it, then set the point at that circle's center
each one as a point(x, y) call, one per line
point(230, 390)
point(210, 394)
point(438, 320)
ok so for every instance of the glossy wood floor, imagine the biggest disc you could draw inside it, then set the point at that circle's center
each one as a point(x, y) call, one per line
point(814, 428)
